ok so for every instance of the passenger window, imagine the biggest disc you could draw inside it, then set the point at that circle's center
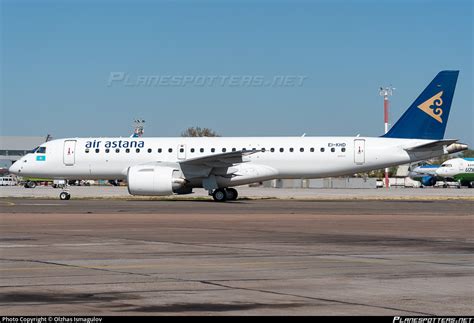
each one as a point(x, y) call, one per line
point(192, 150)
point(301, 149)
point(322, 150)
point(233, 149)
point(87, 150)
point(312, 150)
point(272, 150)
point(213, 150)
point(107, 150)
point(343, 149)
point(97, 150)
point(160, 150)
point(201, 150)
point(170, 150)
point(254, 149)
point(291, 150)
point(263, 150)
point(282, 150)
point(333, 150)
point(117, 150)
point(137, 150)
point(149, 150)
point(127, 150)
point(181, 150)
point(224, 150)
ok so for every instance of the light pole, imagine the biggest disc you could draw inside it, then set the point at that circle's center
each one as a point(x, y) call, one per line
point(386, 92)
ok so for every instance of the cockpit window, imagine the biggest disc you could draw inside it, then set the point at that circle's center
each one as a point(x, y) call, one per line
point(40, 150)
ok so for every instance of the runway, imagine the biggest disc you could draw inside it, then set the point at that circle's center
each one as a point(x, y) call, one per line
point(275, 257)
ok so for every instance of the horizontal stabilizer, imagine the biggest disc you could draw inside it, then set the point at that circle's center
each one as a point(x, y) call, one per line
point(432, 145)
point(449, 146)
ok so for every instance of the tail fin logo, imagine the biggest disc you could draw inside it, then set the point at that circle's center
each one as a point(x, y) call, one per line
point(432, 107)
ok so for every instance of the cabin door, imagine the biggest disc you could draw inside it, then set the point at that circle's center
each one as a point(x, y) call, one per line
point(181, 152)
point(359, 151)
point(69, 152)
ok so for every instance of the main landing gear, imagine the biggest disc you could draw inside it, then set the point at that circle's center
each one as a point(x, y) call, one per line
point(225, 194)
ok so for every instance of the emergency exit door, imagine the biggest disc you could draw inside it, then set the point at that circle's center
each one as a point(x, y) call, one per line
point(182, 152)
point(69, 152)
point(359, 151)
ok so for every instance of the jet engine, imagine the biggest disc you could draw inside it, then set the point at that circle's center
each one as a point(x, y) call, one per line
point(428, 180)
point(155, 180)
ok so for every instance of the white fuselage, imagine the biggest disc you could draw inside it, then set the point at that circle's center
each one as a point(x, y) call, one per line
point(463, 167)
point(276, 157)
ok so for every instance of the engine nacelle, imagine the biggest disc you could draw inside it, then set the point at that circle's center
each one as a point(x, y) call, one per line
point(154, 180)
point(428, 180)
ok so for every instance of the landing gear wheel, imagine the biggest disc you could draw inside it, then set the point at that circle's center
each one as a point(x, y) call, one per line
point(219, 195)
point(30, 184)
point(445, 185)
point(231, 194)
point(64, 196)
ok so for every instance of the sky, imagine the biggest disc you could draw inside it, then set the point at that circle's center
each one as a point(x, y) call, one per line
point(242, 68)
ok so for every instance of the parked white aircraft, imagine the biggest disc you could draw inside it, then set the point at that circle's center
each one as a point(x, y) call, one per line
point(460, 170)
point(163, 166)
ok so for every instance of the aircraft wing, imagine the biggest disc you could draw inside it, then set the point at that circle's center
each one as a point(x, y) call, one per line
point(219, 160)
point(439, 144)
point(217, 164)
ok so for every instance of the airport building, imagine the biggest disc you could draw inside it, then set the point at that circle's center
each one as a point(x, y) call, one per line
point(13, 148)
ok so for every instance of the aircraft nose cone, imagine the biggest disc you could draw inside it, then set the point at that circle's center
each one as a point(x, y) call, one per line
point(13, 169)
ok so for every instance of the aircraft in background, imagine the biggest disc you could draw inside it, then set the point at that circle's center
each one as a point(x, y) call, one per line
point(165, 166)
point(460, 170)
point(425, 174)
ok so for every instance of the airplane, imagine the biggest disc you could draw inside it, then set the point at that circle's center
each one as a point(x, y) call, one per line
point(460, 170)
point(425, 174)
point(166, 166)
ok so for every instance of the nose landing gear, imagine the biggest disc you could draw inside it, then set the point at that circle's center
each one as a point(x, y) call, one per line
point(64, 196)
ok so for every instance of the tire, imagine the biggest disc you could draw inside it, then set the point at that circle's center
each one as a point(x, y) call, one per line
point(31, 184)
point(471, 185)
point(64, 196)
point(231, 194)
point(219, 195)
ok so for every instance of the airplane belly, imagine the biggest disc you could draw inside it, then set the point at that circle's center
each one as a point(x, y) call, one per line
point(107, 170)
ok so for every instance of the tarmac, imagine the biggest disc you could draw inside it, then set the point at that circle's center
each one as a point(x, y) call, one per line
point(249, 257)
point(394, 193)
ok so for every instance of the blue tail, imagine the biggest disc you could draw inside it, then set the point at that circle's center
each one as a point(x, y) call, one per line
point(427, 117)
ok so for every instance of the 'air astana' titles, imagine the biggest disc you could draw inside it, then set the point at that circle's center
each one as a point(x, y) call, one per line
point(115, 144)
